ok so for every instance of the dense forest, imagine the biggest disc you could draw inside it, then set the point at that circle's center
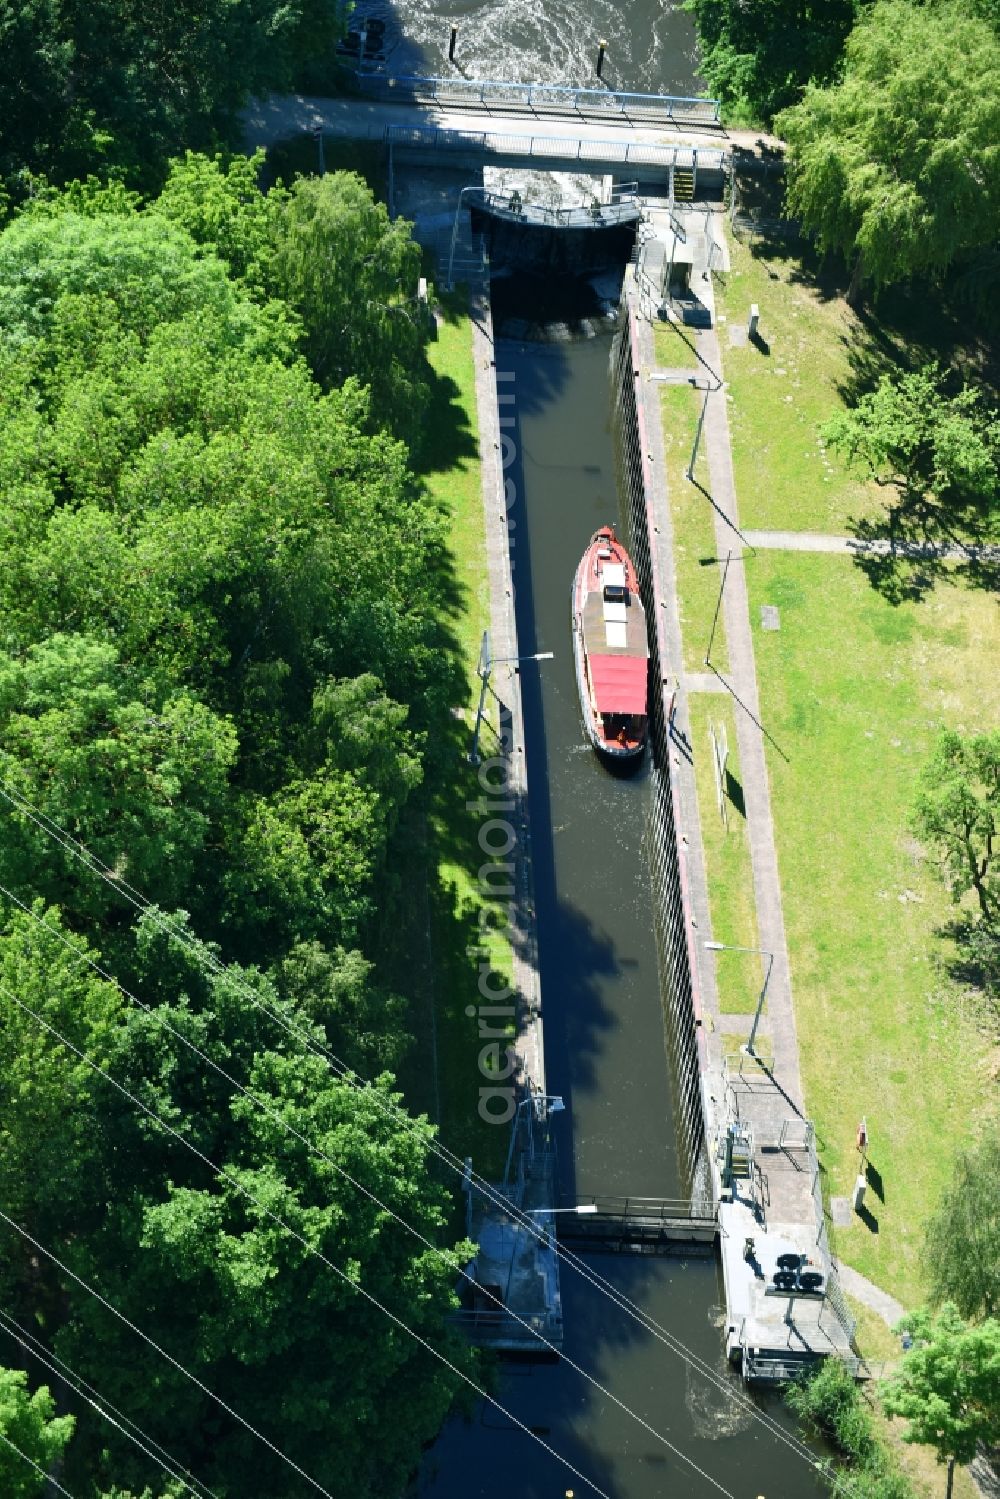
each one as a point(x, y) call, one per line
point(758, 58)
point(225, 662)
point(114, 85)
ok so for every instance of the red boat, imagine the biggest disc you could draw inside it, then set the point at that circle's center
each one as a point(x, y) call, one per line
point(611, 648)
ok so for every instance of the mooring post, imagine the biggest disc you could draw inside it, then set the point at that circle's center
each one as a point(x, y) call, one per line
point(452, 44)
point(318, 137)
point(601, 49)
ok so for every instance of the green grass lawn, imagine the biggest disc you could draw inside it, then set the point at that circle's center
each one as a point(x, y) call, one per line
point(785, 478)
point(451, 468)
point(695, 559)
point(727, 857)
point(854, 691)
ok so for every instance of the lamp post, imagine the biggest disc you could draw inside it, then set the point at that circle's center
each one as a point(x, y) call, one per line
point(485, 667)
point(764, 953)
point(543, 1104)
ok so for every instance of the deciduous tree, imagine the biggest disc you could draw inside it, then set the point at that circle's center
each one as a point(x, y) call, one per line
point(948, 1386)
point(139, 779)
point(109, 84)
point(936, 453)
point(29, 1423)
point(351, 274)
point(957, 813)
point(895, 167)
point(963, 1237)
point(756, 58)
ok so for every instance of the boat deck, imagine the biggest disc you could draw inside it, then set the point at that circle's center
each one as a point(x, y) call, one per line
point(595, 640)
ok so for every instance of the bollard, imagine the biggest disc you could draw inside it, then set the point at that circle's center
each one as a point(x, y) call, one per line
point(452, 44)
point(601, 49)
point(754, 320)
point(858, 1200)
point(318, 138)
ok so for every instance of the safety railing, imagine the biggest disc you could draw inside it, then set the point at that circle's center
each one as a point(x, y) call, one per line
point(508, 143)
point(648, 1209)
point(541, 98)
point(500, 1323)
point(623, 209)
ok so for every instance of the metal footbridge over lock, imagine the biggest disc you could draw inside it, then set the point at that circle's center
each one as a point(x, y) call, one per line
point(638, 1225)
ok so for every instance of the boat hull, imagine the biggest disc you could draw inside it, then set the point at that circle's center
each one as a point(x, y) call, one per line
point(616, 735)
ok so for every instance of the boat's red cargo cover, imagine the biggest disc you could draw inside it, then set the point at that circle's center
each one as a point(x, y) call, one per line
point(619, 683)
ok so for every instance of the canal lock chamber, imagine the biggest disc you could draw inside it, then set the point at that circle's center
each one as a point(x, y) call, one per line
point(620, 1040)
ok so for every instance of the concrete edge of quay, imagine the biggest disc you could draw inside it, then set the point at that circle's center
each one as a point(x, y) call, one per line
point(503, 635)
point(509, 1245)
point(690, 853)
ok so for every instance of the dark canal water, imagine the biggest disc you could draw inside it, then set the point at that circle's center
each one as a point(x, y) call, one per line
point(604, 1035)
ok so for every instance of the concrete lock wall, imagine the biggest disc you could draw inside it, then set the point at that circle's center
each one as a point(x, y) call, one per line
point(665, 851)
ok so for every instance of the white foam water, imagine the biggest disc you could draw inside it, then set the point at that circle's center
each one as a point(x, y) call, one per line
point(650, 43)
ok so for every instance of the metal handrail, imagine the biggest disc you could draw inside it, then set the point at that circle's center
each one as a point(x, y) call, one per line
point(624, 211)
point(636, 153)
point(650, 1207)
point(541, 95)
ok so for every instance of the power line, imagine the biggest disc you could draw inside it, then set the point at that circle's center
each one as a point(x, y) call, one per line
point(450, 1259)
point(238, 1186)
point(47, 1477)
point(206, 957)
point(102, 1406)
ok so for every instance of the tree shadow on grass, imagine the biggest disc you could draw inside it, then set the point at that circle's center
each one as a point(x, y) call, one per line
point(905, 552)
point(781, 241)
point(973, 963)
point(448, 436)
point(914, 324)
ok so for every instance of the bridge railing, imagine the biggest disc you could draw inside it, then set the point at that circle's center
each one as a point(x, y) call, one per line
point(650, 1209)
point(485, 1325)
point(541, 98)
point(509, 143)
point(623, 211)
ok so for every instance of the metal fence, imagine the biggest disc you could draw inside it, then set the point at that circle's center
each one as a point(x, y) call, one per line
point(540, 98)
point(552, 147)
point(623, 209)
point(649, 1209)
